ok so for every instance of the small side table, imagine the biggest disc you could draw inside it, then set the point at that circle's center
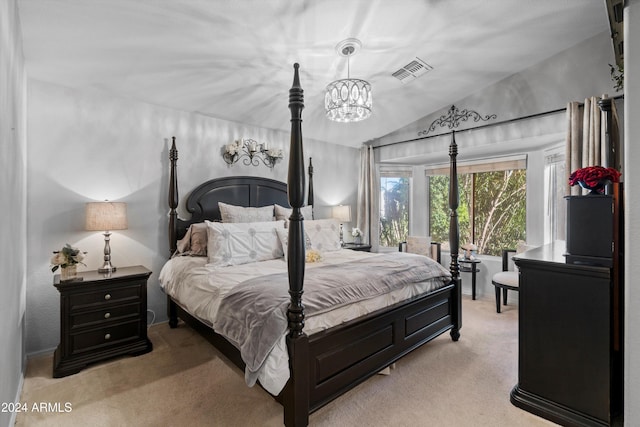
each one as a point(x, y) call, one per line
point(101, 316)
point(358, 247)
point(470, 266)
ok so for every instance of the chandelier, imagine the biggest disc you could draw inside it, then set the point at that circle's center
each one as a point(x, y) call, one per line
point(348, 100)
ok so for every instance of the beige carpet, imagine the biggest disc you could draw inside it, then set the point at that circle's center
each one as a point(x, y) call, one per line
point(184, 381)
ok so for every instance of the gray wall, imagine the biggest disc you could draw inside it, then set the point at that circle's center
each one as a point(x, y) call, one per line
point(13, 231)
point(88, 145)
point(632, 212)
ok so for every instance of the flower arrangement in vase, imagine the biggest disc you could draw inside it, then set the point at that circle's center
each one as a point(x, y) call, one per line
point(356, 234)
point(594, 178)
point(67, 259)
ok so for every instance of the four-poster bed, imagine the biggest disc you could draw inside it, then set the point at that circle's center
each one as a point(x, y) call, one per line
point(324, 364)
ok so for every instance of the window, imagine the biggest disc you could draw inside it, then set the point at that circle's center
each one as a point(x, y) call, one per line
point(555, 183)
point(492, 208)
point(394, 208)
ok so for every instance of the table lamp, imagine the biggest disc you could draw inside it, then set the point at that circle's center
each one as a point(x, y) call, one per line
point(343, 214)
point(106, 216)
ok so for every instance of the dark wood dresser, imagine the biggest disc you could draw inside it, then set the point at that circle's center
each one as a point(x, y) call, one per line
point(570, 361)
point(101, 316)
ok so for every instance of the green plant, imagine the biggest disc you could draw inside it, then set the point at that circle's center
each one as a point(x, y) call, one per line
point(617, 76)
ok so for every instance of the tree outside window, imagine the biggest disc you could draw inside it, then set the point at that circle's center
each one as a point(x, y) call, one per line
point(394, 210)
point(492, 209)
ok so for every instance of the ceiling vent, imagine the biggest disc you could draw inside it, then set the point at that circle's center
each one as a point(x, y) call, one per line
point(412, 70)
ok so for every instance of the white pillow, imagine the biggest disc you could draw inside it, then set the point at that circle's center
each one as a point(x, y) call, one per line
point(242, 243)
point(283, 235)
point(232, 213)
point(283, 213)
point(322, 235)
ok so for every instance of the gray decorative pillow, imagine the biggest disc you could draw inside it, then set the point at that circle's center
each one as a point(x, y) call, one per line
point(194, 242)
point(232, 213)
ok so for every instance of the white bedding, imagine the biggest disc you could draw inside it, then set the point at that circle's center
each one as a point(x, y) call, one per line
point(199, 288)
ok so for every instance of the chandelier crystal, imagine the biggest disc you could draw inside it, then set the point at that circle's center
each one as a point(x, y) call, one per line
point(348, 100)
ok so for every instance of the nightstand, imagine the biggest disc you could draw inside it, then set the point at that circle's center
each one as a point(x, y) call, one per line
point(101, 316)
point(357, 247)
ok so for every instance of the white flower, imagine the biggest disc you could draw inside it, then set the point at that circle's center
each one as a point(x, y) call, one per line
point(231, 149)
point(274, 152)
point(66, 256)
point(58, 259)
point(355, 232)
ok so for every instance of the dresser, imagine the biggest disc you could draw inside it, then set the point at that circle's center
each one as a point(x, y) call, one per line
point(101, 316)
point(570, 351)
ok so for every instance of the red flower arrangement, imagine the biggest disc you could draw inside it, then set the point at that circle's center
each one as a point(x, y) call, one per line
point(594, 177)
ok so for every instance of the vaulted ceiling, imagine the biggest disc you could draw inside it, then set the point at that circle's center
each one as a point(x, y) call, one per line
point(233, 59)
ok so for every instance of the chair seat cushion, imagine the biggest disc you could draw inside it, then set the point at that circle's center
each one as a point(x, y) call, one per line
point(509, 278)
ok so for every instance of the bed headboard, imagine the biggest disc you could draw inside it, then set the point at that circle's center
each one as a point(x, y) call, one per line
point(202, 202)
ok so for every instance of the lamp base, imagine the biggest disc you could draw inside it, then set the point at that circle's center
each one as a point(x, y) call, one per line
point(107, 268)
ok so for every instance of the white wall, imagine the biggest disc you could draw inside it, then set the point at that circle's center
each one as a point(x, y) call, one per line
point(13, 231)
point(88, 145)
point(632, 211)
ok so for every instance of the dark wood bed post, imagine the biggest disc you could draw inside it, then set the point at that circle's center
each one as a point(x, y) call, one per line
point(454, 238)
point(310, 194)
point(173, 198)
point(296, 397)
point(172, 312)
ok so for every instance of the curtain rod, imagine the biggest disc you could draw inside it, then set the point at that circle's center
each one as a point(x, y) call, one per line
point(502, 122)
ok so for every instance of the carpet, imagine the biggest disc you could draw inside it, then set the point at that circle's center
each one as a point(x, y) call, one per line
point(184, 381)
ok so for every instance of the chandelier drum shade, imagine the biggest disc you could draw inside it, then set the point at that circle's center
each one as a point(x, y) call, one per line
point(348, 100)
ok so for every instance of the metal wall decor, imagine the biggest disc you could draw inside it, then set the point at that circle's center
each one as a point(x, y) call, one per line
point(251, 152)
point(453, 118)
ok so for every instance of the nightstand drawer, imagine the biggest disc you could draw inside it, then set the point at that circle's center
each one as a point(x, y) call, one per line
point(110, 335)
point(108, 314)
point(112, 295)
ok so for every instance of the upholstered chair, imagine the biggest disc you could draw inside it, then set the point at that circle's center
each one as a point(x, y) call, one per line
point(508, 278)
point(422, 246)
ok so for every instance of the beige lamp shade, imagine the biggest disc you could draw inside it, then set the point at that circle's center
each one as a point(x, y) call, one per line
point(106, 216)
point(342, 213)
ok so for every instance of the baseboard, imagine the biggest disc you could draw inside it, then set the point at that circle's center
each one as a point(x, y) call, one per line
point(41, 352)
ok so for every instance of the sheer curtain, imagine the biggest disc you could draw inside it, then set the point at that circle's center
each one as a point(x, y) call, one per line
point(367, 196)
point(585, 143)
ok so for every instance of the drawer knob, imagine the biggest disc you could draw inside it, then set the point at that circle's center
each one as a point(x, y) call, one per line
point(107, 315)
point(107, 336)
point(107, 296)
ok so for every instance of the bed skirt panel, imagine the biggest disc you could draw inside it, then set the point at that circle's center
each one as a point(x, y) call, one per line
point(343, 356)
